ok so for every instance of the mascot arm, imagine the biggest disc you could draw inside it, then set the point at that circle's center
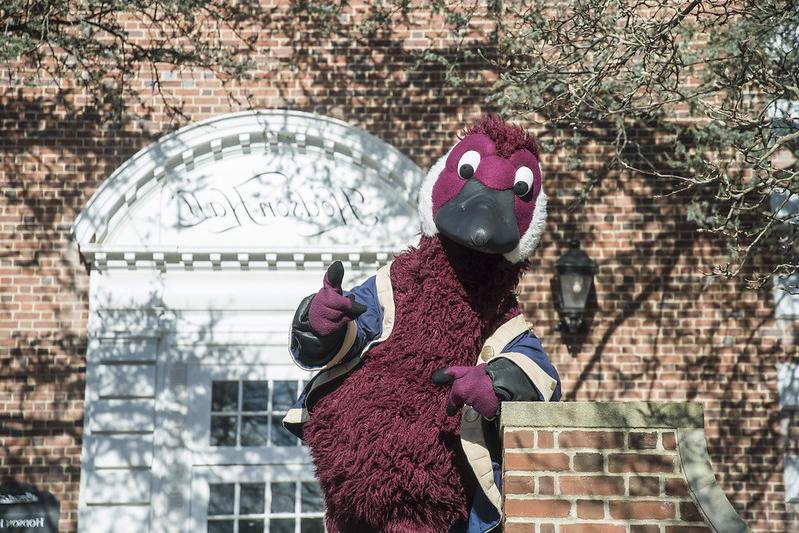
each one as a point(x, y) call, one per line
point(311, 350)
point(522, 370)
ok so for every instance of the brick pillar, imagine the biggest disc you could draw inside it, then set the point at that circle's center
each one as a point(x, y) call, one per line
point(610, 467)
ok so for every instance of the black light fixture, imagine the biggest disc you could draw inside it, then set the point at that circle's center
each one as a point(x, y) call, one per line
point(575, 277)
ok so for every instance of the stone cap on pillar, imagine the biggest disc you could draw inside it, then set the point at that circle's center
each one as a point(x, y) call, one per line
point(603, 414)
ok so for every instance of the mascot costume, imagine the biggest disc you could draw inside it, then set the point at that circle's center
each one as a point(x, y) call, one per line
point(401, 418)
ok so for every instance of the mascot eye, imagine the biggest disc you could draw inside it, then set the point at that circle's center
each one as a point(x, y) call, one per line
point(468, 164)
point(524, 181)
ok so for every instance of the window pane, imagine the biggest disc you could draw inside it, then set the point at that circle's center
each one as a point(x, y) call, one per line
point(254, 430)
point(255, 396)
point(221, 498)
point(280, 435)
point(284, 394)
point(225, 396)
point(282, 499)
point(223, 430)
point(281, 525)
point(220, 526)
point(312, 525)
point(311, 498)
point(251, 526)
point(251, 498)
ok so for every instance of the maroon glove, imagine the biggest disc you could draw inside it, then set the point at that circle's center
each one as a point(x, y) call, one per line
point(472, 386)
point(330, 310)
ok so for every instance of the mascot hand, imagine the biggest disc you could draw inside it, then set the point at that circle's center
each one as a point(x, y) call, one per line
point(471, 385)
point(330, 310)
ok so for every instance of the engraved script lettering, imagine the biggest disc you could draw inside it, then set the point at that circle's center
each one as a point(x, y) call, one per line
point(27, 497)
point(268, 196)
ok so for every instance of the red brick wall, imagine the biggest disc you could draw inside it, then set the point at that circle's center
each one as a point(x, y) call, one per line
point(602, 480)
point(661, 329)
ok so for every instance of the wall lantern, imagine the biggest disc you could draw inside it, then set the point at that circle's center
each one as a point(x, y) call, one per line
point(575, 277)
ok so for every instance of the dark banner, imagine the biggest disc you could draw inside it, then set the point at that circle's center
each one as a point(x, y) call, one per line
point(25, 509)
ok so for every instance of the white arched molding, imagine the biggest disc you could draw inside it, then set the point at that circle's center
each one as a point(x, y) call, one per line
point(258, 189)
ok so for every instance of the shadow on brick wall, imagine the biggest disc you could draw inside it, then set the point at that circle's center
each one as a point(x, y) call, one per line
point(662, 328)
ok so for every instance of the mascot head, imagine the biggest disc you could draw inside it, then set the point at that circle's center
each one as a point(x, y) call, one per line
point(486, 193)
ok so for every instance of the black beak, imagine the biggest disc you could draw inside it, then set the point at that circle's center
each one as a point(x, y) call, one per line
point(480, 218)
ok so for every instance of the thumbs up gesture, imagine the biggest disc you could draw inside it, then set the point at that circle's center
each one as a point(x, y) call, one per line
point(330, 310)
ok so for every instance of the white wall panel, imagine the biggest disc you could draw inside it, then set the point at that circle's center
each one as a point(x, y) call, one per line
point(786, 299)
point(123, 380)
point(792, 478)
point(126, 349)
point(121, 415)
point(126, 289)
point(117, 486)
point(788, 378)
point(121, 451)
point(115, 519)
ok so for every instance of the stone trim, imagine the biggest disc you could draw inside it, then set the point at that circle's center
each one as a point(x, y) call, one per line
point(103, 258)
point(710, 499)
point(603, 415)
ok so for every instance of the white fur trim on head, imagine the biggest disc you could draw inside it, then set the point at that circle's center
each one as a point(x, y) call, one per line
point(530, 239)
point(527, 243)
point(426, 197)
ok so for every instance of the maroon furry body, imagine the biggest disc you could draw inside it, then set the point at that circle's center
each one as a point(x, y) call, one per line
point(387, 456)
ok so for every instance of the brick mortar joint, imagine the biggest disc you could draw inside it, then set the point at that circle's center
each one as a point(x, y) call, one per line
point(574, 451)
point(607, 517)
point(606, 455)
point(627, 443)
point(572, 498)
point(604, 521)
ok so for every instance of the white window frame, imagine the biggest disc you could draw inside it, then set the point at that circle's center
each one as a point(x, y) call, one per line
point(788, 379)
point(792, 479)
point(203, 476)
point(786, 302)
point(200, 380)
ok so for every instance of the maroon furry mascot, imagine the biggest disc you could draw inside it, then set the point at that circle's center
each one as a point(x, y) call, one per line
point(401, 418)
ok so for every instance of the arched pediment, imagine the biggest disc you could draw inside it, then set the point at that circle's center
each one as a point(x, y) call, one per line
point(250, 187)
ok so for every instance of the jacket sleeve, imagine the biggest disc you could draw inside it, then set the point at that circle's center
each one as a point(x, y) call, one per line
point(523, 372)
point(312, 351)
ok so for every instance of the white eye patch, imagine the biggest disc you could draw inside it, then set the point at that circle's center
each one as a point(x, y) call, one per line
point(523, 182)
point(467, 164)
